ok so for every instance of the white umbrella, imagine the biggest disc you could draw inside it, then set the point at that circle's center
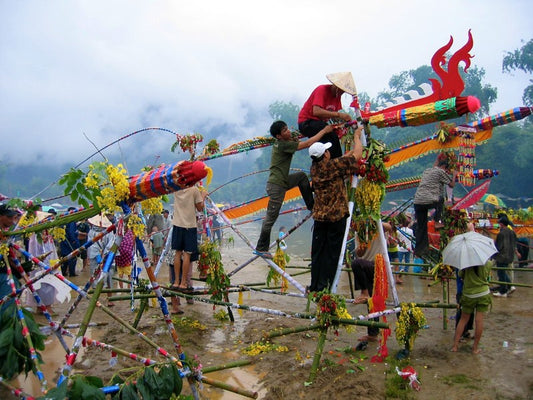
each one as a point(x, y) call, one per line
point(468, 250)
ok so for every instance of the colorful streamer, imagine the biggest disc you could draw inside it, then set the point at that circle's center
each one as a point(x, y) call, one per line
point(257, 205)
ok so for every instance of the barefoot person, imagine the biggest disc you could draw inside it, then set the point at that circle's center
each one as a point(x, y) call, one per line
point(475, 297)
point(184, 231)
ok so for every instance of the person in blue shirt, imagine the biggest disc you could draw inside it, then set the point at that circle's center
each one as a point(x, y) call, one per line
point(67, 246)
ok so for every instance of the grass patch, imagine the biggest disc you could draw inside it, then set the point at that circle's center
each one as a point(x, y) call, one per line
point(462, 379)
point(455, 379)
point(395, 386)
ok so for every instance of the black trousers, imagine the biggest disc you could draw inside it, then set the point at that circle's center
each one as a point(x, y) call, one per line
point(325, 251)
point(421, 231)
point(311, 127)
point(363, 276)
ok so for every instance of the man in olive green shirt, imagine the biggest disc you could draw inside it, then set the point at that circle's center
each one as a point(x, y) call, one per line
point(279, 180)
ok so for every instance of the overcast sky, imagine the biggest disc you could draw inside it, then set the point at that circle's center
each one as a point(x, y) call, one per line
point(107, 68)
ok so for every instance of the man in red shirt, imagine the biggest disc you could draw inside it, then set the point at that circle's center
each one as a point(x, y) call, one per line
point(324, 104)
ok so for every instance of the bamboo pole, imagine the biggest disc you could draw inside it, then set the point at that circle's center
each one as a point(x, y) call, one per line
point(88, 342)
point(513, 269)
point(71, 357)
point(214, 368)
point(318, 353)
point(142, 307)
point(445, 286)
point(25, 331)
point(288, 331)
point(42, 307)
point(510, 284)
point(226, 386)
point(255, 257)
point(271, 263)
point(16, 391)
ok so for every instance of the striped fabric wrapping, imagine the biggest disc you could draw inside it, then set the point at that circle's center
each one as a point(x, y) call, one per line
point(154, 183)
point(419, 115)
point(502, 118)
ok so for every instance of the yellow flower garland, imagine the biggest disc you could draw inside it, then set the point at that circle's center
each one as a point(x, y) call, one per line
point(136, 225)
point(58, 233)
point(410, 321)
point(152, 206)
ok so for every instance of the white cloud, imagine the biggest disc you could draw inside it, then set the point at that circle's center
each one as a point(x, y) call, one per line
point(109, 68)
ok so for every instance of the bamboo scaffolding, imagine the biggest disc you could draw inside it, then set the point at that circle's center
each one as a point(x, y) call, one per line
point(16, 391)
point(255, 257)
point(49, 270)
point(40, 306)
point(25, 331)
point(273, 265)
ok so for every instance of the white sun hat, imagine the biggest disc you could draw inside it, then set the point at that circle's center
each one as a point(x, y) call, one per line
point(344, 81)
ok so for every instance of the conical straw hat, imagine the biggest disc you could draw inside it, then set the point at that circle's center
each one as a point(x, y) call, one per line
point(100, 220)
point(344, 81)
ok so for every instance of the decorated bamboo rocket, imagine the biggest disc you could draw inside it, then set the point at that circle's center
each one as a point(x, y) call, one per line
point(157, 182)
point(428, 113)
point(166, 179)
point(502, 118)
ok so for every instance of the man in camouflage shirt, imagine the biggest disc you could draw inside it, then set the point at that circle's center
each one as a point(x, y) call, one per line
point(331, 208)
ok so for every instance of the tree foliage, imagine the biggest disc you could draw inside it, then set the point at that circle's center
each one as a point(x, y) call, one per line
point(287, 112)
point(521, 59)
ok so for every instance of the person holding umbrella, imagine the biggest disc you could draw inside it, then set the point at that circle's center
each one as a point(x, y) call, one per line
point(470, 252)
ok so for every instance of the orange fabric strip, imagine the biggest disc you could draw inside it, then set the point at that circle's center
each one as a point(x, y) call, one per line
point(420, 149)
point(259, 204)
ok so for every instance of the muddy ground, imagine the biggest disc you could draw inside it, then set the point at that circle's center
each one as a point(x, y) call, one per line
point(497, 373)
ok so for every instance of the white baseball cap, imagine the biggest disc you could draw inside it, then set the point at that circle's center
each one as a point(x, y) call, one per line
point(318, 149)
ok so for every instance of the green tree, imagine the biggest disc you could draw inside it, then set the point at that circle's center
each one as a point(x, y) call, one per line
point(510, 151)
point(521, 59)
point(288, 112)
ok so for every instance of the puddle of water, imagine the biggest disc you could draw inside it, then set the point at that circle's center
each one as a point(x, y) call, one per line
point(218, 342)
point(242, 377)
point(54, 358)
